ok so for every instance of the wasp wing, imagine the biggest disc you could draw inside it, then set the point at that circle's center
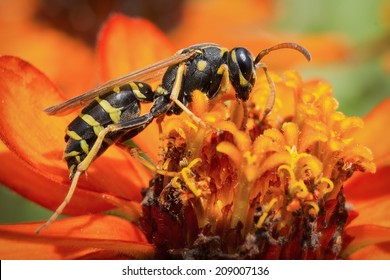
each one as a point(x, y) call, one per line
point(148, 74)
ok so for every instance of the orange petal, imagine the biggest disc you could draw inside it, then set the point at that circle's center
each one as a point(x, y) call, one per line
point(63, 58)
point(37, 141)
point(380, 251)
point(83, 237)
point(367, 235)
point(369, 194)
point(128, 44)
point(38, 188)
point(25, 128)
point(374, 124)
point(367, 186)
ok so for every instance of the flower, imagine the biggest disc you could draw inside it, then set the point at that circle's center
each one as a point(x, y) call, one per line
point(272, 190)
point(286, 170)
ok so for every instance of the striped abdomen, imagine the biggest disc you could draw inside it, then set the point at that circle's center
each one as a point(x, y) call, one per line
point(122, 103)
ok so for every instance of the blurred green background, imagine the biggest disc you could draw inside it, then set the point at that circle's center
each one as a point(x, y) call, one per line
point(359, 83)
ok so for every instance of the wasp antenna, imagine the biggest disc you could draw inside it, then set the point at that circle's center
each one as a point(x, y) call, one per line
point(288, 45)
point(271, 99)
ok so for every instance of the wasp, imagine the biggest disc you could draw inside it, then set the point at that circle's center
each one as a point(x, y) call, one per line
point(112, 110)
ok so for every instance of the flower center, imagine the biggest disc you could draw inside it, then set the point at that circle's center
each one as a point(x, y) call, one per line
point(271, 190)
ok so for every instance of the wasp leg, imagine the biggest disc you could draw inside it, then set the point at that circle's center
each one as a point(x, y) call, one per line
point(224, 85)
point(160, 140)
point(136, 124)
point(136, 153)
point(62, 205)
point(175, 94)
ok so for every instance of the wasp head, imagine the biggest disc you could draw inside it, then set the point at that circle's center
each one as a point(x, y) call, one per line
point(242, 72)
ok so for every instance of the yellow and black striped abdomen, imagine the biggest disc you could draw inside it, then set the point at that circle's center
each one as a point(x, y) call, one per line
point(120, 104)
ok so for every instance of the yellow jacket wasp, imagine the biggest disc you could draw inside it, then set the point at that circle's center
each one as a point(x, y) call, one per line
point(112, 110)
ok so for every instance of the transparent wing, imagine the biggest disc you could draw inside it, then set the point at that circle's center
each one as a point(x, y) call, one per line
point(148, 74)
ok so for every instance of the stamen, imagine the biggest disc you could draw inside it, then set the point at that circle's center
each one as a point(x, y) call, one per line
point(315, 209)
point(298, 189)
point(188, 178)
point(175, 183)
point(194, 162)
point(330, 185)
point(166, 164)
point(265, 212)
point(288, 169)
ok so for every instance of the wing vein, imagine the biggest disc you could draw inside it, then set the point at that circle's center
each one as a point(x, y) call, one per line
point(148, 74)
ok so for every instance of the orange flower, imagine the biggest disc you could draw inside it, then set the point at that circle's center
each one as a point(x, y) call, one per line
point(47, 48)
point(264, 181)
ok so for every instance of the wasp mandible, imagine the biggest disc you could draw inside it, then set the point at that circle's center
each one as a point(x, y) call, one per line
point(112, 110)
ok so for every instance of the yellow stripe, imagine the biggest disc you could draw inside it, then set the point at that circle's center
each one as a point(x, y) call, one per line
point(223, 51)
point(159, 91)
point(97, 129)
point(71, 154)
point(78, 159)
point(107, 106)
point(136, 91)
point(115, 116)
point(233, 56)
point(84, 146)
point(115, 113)
point(243, 81)
point(73, 134)
point(116, 89)
point(89, 119)
point(71, 169)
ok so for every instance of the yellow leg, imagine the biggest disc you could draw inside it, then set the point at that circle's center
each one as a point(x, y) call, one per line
point(225, 87)
point(225, 82)
point(81, 168)
point(175, 94)
point(62, 205)
point(135, 153)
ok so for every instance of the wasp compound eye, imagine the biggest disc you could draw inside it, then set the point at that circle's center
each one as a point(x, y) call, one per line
point(245, 63)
